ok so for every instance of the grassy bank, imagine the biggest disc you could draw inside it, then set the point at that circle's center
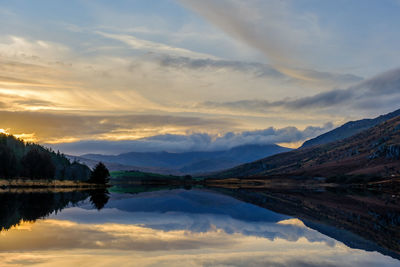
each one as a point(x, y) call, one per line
point(138, 176)
point(390, 185)
point(23, 183)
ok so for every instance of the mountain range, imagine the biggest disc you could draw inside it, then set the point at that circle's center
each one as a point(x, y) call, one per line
point(194, 162)
point(354, 148)
point(348, 129)
point(374, 152)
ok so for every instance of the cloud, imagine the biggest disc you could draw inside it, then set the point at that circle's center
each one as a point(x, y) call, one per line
point(203, 64)
point(14, 80)
point(377, 88)
point(270, 27)
point(165, 220)
point(194, 141)
point(331, 98)
point(67, 235)
point(381, 92)
point(57, 127)
point(381, 84)
point(150, 46)
point(121, 81)
point(88, 95)
point(259, 70)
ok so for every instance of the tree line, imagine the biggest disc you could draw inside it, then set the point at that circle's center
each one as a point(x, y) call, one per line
point(32, 161)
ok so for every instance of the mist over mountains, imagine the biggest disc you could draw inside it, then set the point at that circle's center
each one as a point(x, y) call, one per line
point(179, 143)
point(186, 162)
point(203, 162)
point(371, 153)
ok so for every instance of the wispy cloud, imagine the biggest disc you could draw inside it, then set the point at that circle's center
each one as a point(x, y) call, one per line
point(85, 82)
point(267, 26)
point(150, 46)
point(239, 66)
point(258, 69)
point(380, 92)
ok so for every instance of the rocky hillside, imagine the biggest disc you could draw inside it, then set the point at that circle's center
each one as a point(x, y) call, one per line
point(348, 129)
point(374, 152)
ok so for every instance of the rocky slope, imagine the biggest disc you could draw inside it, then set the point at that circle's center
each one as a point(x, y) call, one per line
point(348, 129)
point(372, 152)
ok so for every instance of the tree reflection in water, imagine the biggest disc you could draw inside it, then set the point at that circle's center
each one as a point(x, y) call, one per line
point(16, 207)
point(99, 198)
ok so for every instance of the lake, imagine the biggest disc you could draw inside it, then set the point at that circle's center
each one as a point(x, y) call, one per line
point(197, 227)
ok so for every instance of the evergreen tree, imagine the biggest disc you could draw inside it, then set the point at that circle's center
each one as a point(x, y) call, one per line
point(29, 160)
point(38, 165)
point(100, 174)
point(99, 198)
point(8, 162)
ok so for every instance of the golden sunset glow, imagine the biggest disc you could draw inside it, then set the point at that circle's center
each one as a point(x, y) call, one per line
point(117, 244)
point(199, 133)
point(26, 137)
point(128, 79)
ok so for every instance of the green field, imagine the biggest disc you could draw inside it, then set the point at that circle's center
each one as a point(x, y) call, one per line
point(137, 175)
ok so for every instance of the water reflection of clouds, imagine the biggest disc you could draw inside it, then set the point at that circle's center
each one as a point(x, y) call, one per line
point(167, 231)
point(56, 235)
point(197, 212)
point(176, 229)
point(253, 252)
point(197, 223)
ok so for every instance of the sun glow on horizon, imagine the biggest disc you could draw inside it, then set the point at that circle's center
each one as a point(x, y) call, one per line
point(266, 80)
point(30, 137)
point(26, 137)
point(292, 145)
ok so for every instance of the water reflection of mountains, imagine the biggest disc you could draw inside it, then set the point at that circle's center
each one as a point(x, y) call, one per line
point(361, 220)
point(30, 206)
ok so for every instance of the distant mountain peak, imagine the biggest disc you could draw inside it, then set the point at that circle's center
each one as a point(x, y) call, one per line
point(191, 162)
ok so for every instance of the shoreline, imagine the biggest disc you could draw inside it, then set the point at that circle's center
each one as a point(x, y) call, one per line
point(388, 185)
point(29, 184)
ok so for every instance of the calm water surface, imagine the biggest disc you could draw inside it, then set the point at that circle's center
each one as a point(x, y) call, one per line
point(165, 228)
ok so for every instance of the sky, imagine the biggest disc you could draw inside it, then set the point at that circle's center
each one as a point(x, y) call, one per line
point(181, 75)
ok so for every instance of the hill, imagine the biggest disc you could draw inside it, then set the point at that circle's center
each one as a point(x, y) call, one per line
point(348, 129)
point(187, 162)
point(373, 153)
point(28, 160)
point(92, 163)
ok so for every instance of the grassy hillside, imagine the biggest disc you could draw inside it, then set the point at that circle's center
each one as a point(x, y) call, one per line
point(371, 154)
point(349, 129)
